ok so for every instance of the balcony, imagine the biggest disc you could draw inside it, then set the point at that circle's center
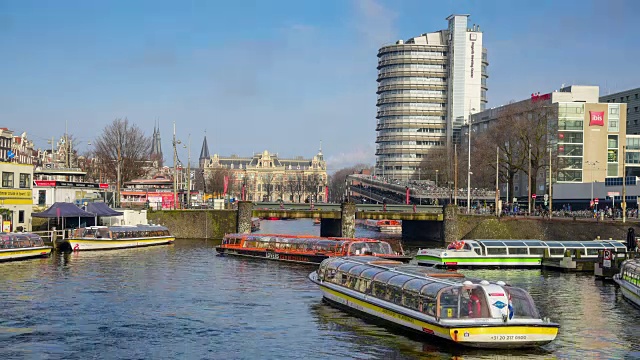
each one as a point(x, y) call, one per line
point(426, 73)
point(412, 59)
point(408, 98)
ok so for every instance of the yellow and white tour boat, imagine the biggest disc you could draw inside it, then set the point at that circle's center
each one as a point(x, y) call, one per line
point(18, 246)
point(117, 237)
point(434, 303)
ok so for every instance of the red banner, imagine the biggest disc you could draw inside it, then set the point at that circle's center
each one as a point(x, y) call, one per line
point(596, 118)
point(407, 196)
point(45, 182)
point(326, 194)
point(226, 185)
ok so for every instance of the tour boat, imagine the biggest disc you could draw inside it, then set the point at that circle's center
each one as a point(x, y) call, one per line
point(117, 237)
point(384, 226)
point(255, 224)
point(304, 248)
point(512, 253)
point(434, 303)
point(629, 280)
point(18, 246)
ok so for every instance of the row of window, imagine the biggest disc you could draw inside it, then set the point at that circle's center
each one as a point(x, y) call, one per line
point(8, 180)
point(412, 105)
point(414, 79)
point(406, 156)
point(420, 130)
point(400, 67)
point(622, 99)
point(433, 143)
point(423, 54)
point(416, 119)
point(413, 92)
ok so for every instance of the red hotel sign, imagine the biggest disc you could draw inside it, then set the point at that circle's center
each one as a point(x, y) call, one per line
point(45, 182)
point(596, 118)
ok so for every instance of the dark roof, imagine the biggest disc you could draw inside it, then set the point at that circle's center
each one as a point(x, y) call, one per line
point(64, 210)
point(204, 152)
point(101, 209)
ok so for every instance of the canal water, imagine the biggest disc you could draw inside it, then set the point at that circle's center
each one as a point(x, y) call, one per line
point(184, 302)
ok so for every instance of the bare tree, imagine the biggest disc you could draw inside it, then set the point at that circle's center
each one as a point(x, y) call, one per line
point(281, 187)
point(215, 180)
point(438, 163)
point(123, 144)
point(336, 182)
point(268, 180)
point(312, 186)
point(299, 188)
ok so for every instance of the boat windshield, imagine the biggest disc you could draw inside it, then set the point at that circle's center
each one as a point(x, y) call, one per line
point(631, 271)
point(366, 247)
point(521, 303)
point(459, 302)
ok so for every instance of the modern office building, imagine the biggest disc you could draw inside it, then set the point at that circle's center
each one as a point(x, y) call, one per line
point(632, 99)
point(427, 88)
point(591, 139)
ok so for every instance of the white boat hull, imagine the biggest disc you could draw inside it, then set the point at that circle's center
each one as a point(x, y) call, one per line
point(24, 253)
point(109, 244)
point(629, 291)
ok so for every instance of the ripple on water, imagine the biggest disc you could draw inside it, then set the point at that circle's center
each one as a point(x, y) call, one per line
point(182, 301)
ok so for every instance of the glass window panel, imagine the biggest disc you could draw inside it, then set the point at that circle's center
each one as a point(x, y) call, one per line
point(612, 142)
point(612, 170)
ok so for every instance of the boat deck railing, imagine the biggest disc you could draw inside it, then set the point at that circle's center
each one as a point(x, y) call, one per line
point(48, 236)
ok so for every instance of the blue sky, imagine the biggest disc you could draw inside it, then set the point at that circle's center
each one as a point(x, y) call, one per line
point(277, 75)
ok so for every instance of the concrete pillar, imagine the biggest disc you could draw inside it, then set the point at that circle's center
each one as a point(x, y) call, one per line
point(244, 217)
point(348, 217)
point(450, 223)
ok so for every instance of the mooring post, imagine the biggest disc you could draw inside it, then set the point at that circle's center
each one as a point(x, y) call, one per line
point(348, 219)
point(245, 209)
point(450, 223)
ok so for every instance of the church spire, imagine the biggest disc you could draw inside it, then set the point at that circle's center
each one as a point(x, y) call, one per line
point(204, 152)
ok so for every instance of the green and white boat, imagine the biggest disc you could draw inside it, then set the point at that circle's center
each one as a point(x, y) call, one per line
point(513, 253)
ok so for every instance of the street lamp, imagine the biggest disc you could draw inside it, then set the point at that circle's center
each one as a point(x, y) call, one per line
point(175, 167)
point(593, 165)
point(436, 179)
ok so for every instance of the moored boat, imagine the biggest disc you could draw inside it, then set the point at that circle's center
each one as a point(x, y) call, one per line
point(304, 248)
point(512, 253)
point(384, 226)
point(18, 246)
point(436, 304)
point(117, 237)
point(629, 280)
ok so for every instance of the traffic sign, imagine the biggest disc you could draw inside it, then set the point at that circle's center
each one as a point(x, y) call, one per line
point(546, 197)
point(613, 193)
point(595, 201)
point(533, 196)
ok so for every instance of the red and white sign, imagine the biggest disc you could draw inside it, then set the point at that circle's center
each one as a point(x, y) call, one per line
point(596, 118)
point(595, 201)
point(533, 196)
point(45, 182)
point(104, 186)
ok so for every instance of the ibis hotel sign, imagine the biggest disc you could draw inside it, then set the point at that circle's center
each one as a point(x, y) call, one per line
point(596, 118)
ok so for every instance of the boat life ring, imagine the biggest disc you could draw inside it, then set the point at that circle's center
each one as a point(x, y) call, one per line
point(452, 246)
point(474, 302)
point(459, 245)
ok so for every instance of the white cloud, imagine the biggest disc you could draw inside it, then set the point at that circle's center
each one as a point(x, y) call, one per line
point(360, 155)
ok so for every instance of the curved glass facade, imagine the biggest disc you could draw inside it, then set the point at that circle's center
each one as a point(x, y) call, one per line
point(411, 104)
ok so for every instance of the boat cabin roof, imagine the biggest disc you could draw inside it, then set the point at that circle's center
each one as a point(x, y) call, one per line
point(304, 239)
point(595, 244)
point(418, 279)
point(124, 228)
point(19, 236)
point(631, 266)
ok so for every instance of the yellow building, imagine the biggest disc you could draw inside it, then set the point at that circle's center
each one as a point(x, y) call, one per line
point(16, 196)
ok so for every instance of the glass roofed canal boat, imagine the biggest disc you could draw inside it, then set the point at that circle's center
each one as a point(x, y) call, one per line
point(434, 303)
point(117, 237)
point(18, 246)
point(305, 248)
point(629, 280)
point(512, 253)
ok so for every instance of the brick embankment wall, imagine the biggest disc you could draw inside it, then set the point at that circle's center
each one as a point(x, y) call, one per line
point(480, 227)
point(196, 224)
